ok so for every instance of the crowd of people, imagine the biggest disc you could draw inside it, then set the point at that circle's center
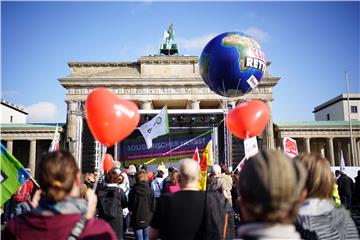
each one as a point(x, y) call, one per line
point(272, 197)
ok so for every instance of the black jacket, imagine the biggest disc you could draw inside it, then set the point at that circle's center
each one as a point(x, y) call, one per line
point(345, 185)
point(111, 201)
point(141, 205)
point(131, 180)
point(217, 211)
point(357, 186)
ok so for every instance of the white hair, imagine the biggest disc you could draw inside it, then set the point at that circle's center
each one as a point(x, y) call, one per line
point(189, 171)
point(216, 169)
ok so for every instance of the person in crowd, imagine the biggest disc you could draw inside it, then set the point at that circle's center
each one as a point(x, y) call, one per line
point(125, 186)
point(179, 215)
point(167, 179)
point(141, 206)
point(60, 212)
point(156, 184)
point(150, 177)
point(318, 218)
point(22, 197)
point(218, 222)
point(228, 182)
point(271, 190)
point(221, 180)
point(357, 188)
point(235, 195)
point(112, 200)
point(88, 184)
point(131, 175)
point(335, 192)
point(345, 187)
point(173, 185)
point(335, 195)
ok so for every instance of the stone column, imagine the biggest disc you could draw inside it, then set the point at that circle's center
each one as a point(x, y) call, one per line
point(307, 145)
point(330, 144)
point(32, 157)
point(349, 155)
point(146, 105)
point(194, 104)
point(269, 129)
point(357, 143)
point(356, 156)
point(322, 149)
point(71, 126)
point(338, 152)
point(116, 157)
point(9, 145)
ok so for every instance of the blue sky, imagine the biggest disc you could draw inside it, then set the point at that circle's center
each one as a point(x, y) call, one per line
point(309, 44)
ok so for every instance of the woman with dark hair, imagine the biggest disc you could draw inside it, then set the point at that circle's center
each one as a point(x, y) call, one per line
point(112, 200)
point(141, 206)
point(156, 184)
point(60, 213)
point(173, 185)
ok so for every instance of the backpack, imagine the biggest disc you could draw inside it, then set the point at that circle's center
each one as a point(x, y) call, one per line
point(23, 193)
point(110, 203)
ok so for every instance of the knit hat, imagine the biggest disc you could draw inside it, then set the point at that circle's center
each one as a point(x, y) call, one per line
point(271, 184)
point(132, 169)
point(117, 164)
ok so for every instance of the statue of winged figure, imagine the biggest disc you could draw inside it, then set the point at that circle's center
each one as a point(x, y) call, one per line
point(169, 36)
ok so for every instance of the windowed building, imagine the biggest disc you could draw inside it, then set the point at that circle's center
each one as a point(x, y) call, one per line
point(336, 109)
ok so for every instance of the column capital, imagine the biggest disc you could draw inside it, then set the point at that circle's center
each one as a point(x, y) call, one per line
point(146, 104)
point(307, 145)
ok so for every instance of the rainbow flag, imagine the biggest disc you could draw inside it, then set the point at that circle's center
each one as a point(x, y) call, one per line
point(12, 175)
point(206, 160)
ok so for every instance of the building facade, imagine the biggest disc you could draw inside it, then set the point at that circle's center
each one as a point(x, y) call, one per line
point(11, 113)
point(27, 142)
point(328, 138)
point(336, 109)
point(153, 82)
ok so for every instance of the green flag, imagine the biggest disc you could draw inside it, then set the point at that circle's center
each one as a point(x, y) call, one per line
point(12, 175)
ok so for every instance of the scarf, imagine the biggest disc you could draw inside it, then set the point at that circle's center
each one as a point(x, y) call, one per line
point(68, 206)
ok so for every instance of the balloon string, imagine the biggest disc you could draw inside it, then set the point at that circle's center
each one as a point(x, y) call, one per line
point(101, 162)
point(222, 79)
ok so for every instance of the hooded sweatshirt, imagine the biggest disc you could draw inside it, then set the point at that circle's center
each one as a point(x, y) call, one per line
point(141, 204)
point(319, 219)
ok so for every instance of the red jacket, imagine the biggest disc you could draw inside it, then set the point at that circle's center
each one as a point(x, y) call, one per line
point(31, 226)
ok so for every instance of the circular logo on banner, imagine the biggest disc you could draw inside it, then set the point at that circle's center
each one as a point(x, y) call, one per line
point(158, 120)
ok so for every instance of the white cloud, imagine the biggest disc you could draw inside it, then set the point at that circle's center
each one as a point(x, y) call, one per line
point(141, 6)
point(250, 15)
point(42, 112)
point(9, 93)
point(194, 43)
point(257, 33)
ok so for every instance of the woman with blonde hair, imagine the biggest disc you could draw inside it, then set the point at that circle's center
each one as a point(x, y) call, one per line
point(318, 217)
point(60, 213)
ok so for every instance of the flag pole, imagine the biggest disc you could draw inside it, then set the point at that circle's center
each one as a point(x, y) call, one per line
point(34, 181)
point(350, 124)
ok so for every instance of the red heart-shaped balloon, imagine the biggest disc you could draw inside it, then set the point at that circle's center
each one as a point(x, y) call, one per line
point(248, 119)
point(110, 118)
